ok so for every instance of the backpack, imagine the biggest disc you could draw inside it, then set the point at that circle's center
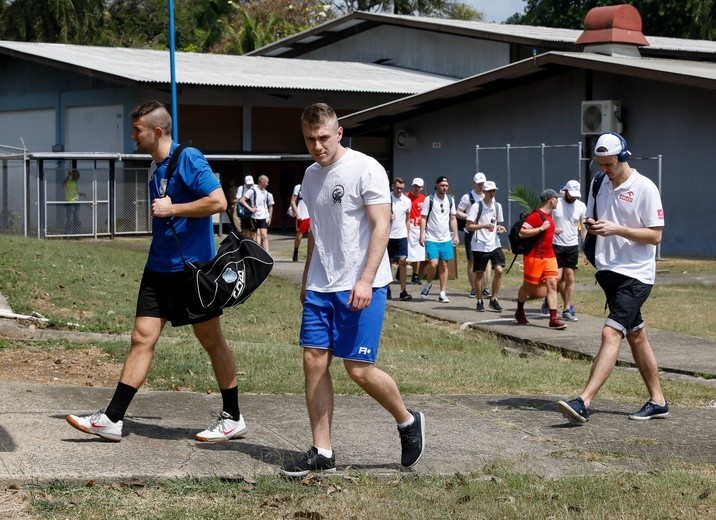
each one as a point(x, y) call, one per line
point(462, 222)
point(520, 245)
point(241, 210)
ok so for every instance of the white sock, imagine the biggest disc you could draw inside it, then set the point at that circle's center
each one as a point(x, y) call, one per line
point(407, 423)
point(326, 453)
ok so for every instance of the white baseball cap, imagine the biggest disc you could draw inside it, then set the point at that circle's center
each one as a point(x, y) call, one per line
point(613, 145)
point(573, 188)
point(489, 185)
point(417, 181)
point(248, 179)
point(479, 177)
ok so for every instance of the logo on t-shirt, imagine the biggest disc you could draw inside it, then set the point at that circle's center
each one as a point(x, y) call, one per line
point(338, 193)
point(660, 214)
point(627, 197)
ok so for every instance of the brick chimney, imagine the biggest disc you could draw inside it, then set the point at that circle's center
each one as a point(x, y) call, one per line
point(614, 30)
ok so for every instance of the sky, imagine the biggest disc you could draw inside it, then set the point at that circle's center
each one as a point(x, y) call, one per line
point(497, 10)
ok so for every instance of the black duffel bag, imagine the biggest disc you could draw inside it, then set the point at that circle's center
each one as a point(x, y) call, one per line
point(239, 267)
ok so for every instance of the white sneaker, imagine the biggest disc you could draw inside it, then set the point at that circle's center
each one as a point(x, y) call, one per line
point(443, 297)
point(224, 429)
point(97, 424)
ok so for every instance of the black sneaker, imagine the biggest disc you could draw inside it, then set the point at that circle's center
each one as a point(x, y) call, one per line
point(405, 296)
point(412, 440)
point(310, 462)
point(415, 280)
point(651, 410)
point(480, 307)
point(295, 255)
point(486, 293)
point(495, 306)
point(574, 410)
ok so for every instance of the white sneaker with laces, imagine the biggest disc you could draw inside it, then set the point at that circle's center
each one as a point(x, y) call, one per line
point(225, 428)
point(97, 424)
point(443, 297)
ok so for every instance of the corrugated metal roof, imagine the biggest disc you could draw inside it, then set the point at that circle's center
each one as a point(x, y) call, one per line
point(524, 34)
point(701, 74)
point(150, 66)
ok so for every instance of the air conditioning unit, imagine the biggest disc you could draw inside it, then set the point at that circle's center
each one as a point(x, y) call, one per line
point(599, 117)
point(404, 139)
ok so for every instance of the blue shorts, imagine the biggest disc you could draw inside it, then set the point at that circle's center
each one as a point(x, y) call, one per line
point(328, 323)
point(397, 248)
point(439, 250)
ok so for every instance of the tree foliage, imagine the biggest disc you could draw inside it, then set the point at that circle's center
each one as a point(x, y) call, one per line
point(671, 18)
point(454, 9)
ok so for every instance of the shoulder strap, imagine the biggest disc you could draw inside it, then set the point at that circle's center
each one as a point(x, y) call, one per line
point(171, 167)
point(173, 161)
point(472, 199)
point(596, 185)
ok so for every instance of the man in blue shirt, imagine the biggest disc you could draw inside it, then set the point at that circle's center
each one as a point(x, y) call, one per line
point(191, 197)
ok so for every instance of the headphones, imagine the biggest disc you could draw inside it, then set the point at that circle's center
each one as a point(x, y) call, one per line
point(624, 155)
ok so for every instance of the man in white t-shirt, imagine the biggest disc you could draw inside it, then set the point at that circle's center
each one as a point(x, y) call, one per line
point(463, 207)
point(484, 222)
point(344, 288)
point(568, 216)
point(303, 219)
point(628, 228)
point(398, 241)
point(438, 233)
point(259, 202)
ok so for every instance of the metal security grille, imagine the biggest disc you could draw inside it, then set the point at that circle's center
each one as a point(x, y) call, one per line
point(112, 191)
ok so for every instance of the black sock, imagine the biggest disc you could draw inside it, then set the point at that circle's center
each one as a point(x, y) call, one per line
point(121, 399)
point(230, 398)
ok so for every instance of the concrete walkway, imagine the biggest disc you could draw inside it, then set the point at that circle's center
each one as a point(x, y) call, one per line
point(464, 432)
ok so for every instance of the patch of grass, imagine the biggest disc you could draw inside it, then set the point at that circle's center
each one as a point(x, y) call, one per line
point(494, 492)
point(424, 355)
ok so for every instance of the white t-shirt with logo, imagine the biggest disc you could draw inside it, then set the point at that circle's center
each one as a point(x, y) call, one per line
point(437, 225)
point(635, 204)
point(566, 216)
point(400, 209)
point(484, 240)
point(336, 197)
point(300, 205)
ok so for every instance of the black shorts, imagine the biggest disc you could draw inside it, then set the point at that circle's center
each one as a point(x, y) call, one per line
point(163, 295)
point(397, 248)
point(259, 223)
point(467, 240)
point(625, 296)
point(246, 223)
point(480, 259)
point(567, 256)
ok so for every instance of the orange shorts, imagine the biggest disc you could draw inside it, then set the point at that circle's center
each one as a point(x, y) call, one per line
point(537, 270)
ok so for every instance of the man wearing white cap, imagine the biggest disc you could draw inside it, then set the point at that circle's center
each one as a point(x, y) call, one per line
point(567, 216)
point(463, 208)
point(244, 214)
point(416, 252)
point(628, 224)
point(484, 222)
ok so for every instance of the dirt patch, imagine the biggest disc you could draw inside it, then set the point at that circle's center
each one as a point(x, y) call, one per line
point(86, 366)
